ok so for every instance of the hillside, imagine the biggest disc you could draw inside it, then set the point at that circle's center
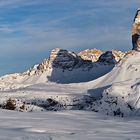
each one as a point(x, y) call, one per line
point(119, 89)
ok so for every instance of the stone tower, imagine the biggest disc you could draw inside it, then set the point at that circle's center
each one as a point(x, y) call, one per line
point(136, 32)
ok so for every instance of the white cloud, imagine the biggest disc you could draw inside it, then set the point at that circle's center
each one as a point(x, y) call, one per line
point(46, 35)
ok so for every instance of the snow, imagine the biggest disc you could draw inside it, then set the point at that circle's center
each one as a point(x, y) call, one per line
point(115, 92)
point(66, 125)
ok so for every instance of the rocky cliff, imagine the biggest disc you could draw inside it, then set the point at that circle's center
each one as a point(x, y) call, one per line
point(86, 60)
point(136, 31)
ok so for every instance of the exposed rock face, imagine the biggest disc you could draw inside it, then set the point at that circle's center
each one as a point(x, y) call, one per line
point(111, 57)
point(64, 59)
point(97, 55)
point(107, 57)
point(136, 32)
point(92, 54)
point(39, 68)
point(118, 55)
point(63, 66)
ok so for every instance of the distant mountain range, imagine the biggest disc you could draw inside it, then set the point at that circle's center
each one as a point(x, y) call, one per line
point(63, 66)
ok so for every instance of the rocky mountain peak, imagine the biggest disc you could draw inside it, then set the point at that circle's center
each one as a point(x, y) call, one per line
point(90, 54)
point(136, 31)
point(111, 57)
point(95, 55)
point(118, 55)
point(59, 58)
point(64, 59)
point(107, 57)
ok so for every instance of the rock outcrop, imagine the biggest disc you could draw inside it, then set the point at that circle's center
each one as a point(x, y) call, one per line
point(63, 66)
point(136, 32)
point(64, 59)
point(90, 54)
point(111, 57)
point(95, 55)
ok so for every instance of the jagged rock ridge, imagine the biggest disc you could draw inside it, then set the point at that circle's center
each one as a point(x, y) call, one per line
point(63, 64)
point(90, 54)
point(64, 59)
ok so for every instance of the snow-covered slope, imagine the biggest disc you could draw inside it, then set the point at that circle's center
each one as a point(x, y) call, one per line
point(119, 89)
point(66, 125)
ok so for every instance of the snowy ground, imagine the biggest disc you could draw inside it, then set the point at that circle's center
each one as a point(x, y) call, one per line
point(116, 94)
point(62, 125)
point(66, 125)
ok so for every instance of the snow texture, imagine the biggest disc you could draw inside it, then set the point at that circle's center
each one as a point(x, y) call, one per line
point(66, 125)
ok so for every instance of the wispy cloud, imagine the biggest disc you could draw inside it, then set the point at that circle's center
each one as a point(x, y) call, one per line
point(30, 29)
point(20, 3)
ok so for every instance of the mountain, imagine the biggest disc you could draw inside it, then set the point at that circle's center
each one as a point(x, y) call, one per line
point(136, 32)
point(64, 66)
point(62, 69)
point(108, 84)
point(67, 67)
point(90, 54)
point(95, 55)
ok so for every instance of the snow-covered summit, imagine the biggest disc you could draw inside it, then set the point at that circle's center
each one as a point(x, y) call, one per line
point(66, 60)
point(67, 67)
point(63, 66)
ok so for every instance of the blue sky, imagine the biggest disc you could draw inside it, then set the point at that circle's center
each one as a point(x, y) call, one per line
point(30, 29)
